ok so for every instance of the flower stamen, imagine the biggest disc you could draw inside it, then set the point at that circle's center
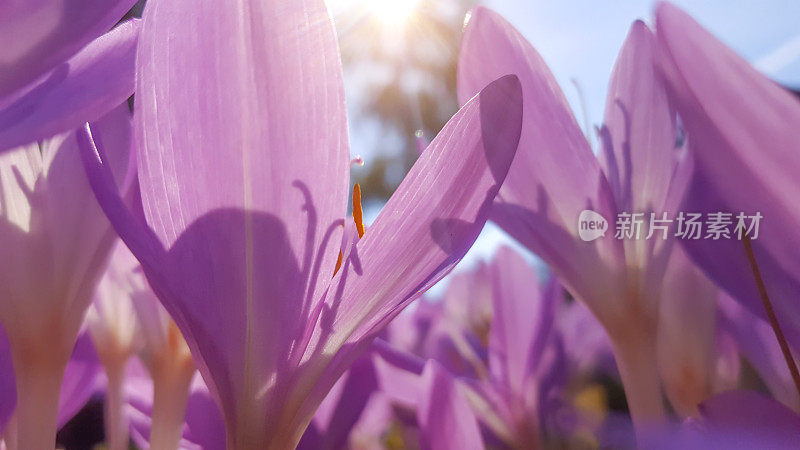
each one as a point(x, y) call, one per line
point(358, 212)
point(358, 218)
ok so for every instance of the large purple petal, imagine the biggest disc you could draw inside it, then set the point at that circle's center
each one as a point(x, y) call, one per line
point(555, 176)
point(639, 150)
point(639, 133)
point(243, 173)
point(35, 36)
point(97, 79)
point(438, 209)
point(743, 132)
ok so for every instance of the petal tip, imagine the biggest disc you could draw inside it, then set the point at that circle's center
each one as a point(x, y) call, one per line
point(504, 97)
point(667, 15)
point(501, 122)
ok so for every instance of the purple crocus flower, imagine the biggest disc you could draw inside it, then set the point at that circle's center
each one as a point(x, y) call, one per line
point(556, 176)
point(60, 240)
point(453, 330)
point(56, 70)
point(243, 169)
point(526, 359)
point(441, 418)
point(743, 131)
point(511, 382)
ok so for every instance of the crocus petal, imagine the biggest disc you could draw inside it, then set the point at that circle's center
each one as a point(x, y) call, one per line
point(686, 332)
point(520, 315)
point(255, 150)
point(468, 301)
point(743, 132)
point(343, 406)
point(72, 215)
point(639, 131)
point(57, 230)
point(375, 423)
point(439, 209)
point(555, 175)
point(727, 362)
point(445, 418)
point(37, 36)
point(752, 414)
point(398, 373)
point(81, 379)
point(586, 342)
point(757, 344)
point(91, 83)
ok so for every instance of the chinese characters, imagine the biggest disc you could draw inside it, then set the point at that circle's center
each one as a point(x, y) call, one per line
point(715, 226)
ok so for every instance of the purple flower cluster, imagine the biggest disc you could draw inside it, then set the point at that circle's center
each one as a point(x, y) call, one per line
point(191, 259)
